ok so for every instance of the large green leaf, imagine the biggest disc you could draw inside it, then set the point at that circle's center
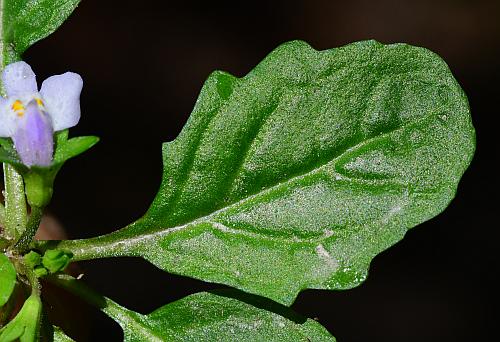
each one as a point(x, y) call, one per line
point(216, 317)
point(296, 175)
point(24, 22)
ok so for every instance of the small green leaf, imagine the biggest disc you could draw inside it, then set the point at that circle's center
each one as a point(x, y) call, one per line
point(217, 317)
point(6, 157)
point(73, 147)
point(298, 174)
point(7, 145)
point(25, 326)
point(25, 22)
point(8, 154)
point(7, 279)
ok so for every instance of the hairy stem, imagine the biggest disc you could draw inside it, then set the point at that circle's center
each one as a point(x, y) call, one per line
point(2, 215)
point(32, 280)
point(22, 245)
point(15, 213)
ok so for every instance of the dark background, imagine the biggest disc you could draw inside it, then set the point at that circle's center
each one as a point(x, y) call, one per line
point(143, 64)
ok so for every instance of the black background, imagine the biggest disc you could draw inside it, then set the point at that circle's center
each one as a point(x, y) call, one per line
point(143, 64)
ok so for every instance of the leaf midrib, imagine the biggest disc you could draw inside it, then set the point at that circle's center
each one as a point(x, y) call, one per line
point(113, 244)
point(316, 166)
point(311, 171)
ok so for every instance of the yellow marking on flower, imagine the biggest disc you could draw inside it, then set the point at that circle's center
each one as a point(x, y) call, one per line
point(20, 113)
point(39, 101)
point(17, 106)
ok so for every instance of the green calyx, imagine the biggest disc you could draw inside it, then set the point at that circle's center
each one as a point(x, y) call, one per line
point(39, 186)
point(56, 260)
point(32, 259)
point(39, 181)
point(53, 261)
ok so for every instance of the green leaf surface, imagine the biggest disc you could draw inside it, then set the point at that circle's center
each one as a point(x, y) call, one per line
point(6, 157)
point(24, 22)
point(7, 145)
point(7, 278)
point(24, 327)
point(8, 154)
point(216, 317)
point(298, 174)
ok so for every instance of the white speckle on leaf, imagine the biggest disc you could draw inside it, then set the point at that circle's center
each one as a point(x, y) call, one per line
point(221, 227)
point(324, 255)
point(328, 233)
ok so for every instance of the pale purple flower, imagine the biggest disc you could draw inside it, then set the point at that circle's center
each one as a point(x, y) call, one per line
point(30, 117)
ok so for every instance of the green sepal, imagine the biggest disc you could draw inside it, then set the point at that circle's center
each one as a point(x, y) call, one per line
point(32, 259)
point(6, 144)
point(56, 260)
point(25, 325)
point(39, 181)
point(7, 279)
point(69, 148)
point(39, 186)
point(53, 261)
point(40, 271)
point(8, 153)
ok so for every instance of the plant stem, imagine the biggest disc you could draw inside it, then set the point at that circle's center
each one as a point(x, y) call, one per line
point(22, 245)
point(2, 215)
point(127, 319)
point(95, 299)
point(33, 280)
point(15, 214)
point(78, 288)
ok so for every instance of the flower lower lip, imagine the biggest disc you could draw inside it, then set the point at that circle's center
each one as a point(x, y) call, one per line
point(33, 138)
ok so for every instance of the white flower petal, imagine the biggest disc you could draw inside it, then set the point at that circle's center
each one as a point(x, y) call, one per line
point(19, 79)
point(7, 119)
point(61, 96)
